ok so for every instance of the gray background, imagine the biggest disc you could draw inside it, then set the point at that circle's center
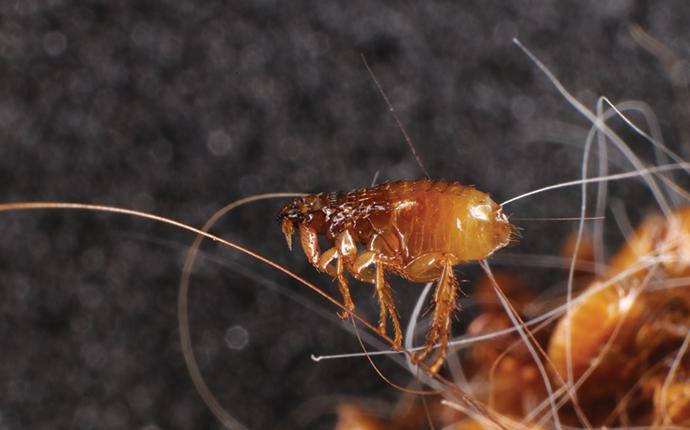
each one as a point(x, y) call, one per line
point(177, 107)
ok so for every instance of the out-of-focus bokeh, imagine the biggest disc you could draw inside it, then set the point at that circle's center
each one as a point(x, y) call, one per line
point(177, 108)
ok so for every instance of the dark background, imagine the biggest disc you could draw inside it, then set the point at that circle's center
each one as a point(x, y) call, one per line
point(178, 107)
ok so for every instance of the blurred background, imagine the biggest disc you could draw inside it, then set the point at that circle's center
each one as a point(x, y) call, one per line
point(179, 107)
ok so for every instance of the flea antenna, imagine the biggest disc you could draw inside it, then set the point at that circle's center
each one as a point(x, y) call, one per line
point(391, 109)
point(609, 178)
point(572, 218)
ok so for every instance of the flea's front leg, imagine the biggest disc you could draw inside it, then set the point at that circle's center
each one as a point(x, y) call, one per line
point(338, 272)
point(344, 252)
point(310, 244)
point(324, 264)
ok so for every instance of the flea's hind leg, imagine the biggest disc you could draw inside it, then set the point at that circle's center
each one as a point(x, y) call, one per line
point(361, 271)
point(445, 299)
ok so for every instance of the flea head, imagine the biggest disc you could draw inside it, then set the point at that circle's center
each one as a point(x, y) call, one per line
point(299, 210)
point(290, 215)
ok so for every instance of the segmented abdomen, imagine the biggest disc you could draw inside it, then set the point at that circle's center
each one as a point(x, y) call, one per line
point(425, 217)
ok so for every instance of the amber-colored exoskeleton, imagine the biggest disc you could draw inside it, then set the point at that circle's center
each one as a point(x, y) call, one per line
point(417, 229)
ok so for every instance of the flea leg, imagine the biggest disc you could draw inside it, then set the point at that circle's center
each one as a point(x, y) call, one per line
point(324, 264)
point(445, 302)
point(310, 244)
point(361, 270)
point(346, 253)
point(344, 290)
point(338, 272)
point(383, 290)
